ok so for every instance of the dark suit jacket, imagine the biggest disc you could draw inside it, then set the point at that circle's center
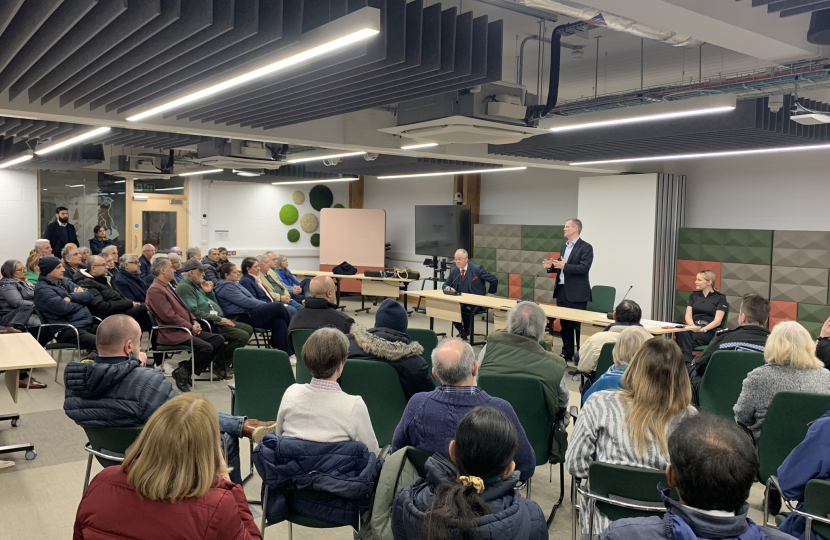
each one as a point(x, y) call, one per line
point(473, 281)
point(145, 266)
point(169, 309)
point(52, 233)
point(577, 286)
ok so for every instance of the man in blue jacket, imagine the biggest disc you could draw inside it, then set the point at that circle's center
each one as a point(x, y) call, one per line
point(713, 467)
point(129, 280)
point(114, 389)
point(470, 278)
point(61, 301)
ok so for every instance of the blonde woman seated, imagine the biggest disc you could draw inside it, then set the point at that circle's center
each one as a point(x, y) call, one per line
point(630, 426)
point(320, 411)
point(172, 484)
point(791, 365)
point(629, 342)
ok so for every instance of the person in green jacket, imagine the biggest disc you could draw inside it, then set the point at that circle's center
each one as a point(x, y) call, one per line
point(200, 299)
point(32, 270)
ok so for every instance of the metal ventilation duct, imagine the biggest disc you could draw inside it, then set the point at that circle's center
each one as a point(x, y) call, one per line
point(386, 164)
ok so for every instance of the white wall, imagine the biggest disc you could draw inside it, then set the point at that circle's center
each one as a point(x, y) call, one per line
point(250, 212)
point(18, 214)
point(623, 249)
point(529, 197)
point(788, 191)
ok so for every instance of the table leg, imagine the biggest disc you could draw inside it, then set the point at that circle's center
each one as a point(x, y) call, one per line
point(432, 323)
point(12, 383)
point(472, 328)
point(337, 293)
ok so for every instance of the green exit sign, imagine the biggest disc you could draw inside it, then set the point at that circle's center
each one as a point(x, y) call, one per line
point(144, 187)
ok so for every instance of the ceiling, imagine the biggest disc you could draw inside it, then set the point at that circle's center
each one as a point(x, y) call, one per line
point(790, 8)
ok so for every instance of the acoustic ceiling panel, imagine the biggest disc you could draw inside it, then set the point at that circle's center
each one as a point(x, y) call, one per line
point(809, 249)
point(802, 285)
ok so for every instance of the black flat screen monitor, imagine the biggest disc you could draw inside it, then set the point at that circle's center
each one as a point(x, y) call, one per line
point(442, 229)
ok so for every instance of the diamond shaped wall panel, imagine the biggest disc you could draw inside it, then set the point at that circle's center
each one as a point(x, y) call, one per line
point(802, 285)
point(509, 267)
point(488, 264)
point(807, 249)
point(725, 245)
point(514, 289)
point(528, 287)
point(687, 272)
point(688, 244)
point(782, 311)
point(681, 298)
point(503, 284)
point(740, 279)
point(498, 236)
point(541, 237)
point(482, 253)
point(734, 310)
point(544, 289)
point(813, 317)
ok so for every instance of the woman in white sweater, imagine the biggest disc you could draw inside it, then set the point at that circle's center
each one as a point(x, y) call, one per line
point(630, 426)
point(321, 411)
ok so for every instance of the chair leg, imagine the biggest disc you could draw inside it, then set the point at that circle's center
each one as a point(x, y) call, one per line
point(766, 502)
point(290, 531)
point(88, 470)
point(561, 494)
point(262, 523)
point(58, 367)
point(574, 512)
point(528, 487)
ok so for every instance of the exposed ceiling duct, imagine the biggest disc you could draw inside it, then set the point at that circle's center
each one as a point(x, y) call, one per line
point(581, 12)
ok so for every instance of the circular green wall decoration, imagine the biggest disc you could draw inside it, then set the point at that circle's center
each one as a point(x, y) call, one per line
point(315, 240)
point(338, 205)
point(309, 222)
point(320, 197)
point(289, 214)
point(298, 197)
point(293, 235)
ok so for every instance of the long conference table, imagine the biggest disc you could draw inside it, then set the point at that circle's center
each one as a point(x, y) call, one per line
point(384, 287)
point(448, 307)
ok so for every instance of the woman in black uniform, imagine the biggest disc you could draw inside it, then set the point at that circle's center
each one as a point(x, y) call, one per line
point(705, 310)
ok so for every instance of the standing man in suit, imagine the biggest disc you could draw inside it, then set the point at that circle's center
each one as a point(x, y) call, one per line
point(60, 232)
point(469, 278)
point(573, 290)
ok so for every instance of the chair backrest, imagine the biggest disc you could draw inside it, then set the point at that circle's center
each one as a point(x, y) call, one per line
point(606, 358)
point(817, 503)
point(785, 426)
point(152, 318)
point(40, 316)
point(298, 339)
point(111, 440)
point(725, 322)
point(378, 384)
point(525, 395)
point(419, 459)
point(602, 299)
point(428, 340)
point(628, 484)
point(724, 378)
point(261, 376)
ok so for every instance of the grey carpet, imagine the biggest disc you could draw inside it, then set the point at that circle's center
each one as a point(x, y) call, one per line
point(57, 439)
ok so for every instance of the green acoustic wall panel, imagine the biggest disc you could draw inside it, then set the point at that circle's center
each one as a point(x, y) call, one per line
point(488, 264)
point(484, 253)
point(680, 300)
point(688, 245)
point(812, 317)
point(528, 288)
point(726, 245)
point(542, 237)
point(503, 284)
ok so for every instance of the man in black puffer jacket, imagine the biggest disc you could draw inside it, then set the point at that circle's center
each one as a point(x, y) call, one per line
point(114, 389)
point(106, 300)
point(388, 342)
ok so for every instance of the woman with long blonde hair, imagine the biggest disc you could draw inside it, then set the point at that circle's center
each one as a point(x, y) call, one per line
point(172, 484)
point(630, 426)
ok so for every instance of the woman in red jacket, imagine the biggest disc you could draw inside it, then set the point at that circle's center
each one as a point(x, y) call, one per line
point(172, 485)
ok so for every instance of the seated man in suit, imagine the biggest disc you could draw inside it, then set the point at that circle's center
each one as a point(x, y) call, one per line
point(467, 277)
point(62, 301)
point(320, 310)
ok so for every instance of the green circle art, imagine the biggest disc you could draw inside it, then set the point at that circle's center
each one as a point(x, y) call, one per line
point(320, 197)
point(289, 214)
point(338, 205)
point(293, 235)
point(315, 240)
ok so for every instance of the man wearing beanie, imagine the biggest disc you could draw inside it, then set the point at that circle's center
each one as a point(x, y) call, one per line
point(61, 301)
point(388, 342)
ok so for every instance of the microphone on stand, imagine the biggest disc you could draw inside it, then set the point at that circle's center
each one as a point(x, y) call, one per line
point(453, 292)
point(610, 314)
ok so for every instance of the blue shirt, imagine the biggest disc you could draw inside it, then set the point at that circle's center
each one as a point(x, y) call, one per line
point(568, 248)
point(610, 380)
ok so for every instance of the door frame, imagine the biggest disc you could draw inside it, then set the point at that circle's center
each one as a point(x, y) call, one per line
point(134, 212)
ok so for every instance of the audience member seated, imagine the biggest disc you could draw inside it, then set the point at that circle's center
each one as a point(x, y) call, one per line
point(62, 301)
point(106, 300)
point(129, 281)
point(750, 335)
point(237, 302)
point(299, 289)
point(630, 426)
point(44, 247)
point(791, 365)
point(99, 240)
point(71, 260)
point(454, 364)
point(193, 252)
point(176, 261)
point(388, 342)
point(626, 314)
point(518, 352)
point(32, 270)
point(473, 493)
point(173, 483)
point(197, 293)
point(148, 278)
point(60, 232)
point(223, 255)
point(320, 310)
point(110, 390)
point(211, 260)
point(273, 286)
point(320, 411)
point(110, 254)
point(177, 250)
point(17, 309)
point(147, 252)
point(713, 467)
point(705, 311)
point(808, 461)
point(629, 342)
point(169, 309)
point(823, 344)
point(85, 254)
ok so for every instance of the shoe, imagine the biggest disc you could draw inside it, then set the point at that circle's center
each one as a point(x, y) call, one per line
point(229, 371)
point(220, 373)
point(35, 384)
point(250, 426)
point(293, 359)
point(181, 378)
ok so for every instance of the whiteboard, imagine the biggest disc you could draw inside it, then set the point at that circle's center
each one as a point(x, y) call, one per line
point(357, 236)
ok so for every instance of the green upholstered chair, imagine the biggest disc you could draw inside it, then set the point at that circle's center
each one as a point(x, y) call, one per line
point(723, 380)
point(605, 360)
point(57, 346)
point(108, 445)
point(298, 339)
point(428, 340)
point(378, 384)
point(817, 503)
point(602, 299)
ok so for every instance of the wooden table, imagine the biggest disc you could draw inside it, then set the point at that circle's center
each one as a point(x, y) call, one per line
point(370, 286)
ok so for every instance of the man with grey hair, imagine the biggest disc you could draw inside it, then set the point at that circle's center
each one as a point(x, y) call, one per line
point(110, 255)
point(193, 252)
point(518, 351)
point(71, 256)
point(176, 261)
point(211, 260)
point(454, 365)
point(274, 286)
point(469, 278)
point(129, 281)
point(44, 247)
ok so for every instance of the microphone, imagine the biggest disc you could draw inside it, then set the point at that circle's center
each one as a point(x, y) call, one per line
point(453, 292)
point(610, 314)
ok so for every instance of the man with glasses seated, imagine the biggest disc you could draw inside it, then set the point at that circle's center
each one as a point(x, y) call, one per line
point(469, 278)
point(129, 280)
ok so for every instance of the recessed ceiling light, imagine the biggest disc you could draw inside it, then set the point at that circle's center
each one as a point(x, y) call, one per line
point(73, 140)
point(318, 158)
point(417, 146)
point(473, 171)
point(644, 118)
point(291, 182)
point(194, 173)
point(707, 155)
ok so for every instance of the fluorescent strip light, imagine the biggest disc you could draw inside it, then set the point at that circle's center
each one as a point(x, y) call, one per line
point(480, 171)
point(239, 172)
point(314, 181)
point(169, 188)
point(361, 25)
point(707, 155)
point(73, 140)
point(194, 173)
point(120, 182)
point(76, 185)
point(417, 146)
point(330, 156)
point(14, 160)
point(645, 118)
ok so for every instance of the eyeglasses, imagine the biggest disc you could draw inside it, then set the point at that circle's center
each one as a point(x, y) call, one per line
point(97, 265)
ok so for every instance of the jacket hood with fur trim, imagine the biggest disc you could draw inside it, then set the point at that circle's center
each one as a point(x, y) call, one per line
point(385, 343)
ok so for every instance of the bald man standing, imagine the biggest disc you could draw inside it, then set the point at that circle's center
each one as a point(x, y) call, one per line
point(320, 310)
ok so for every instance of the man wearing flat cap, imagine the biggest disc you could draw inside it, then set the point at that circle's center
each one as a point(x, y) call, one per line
point(62, 301)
